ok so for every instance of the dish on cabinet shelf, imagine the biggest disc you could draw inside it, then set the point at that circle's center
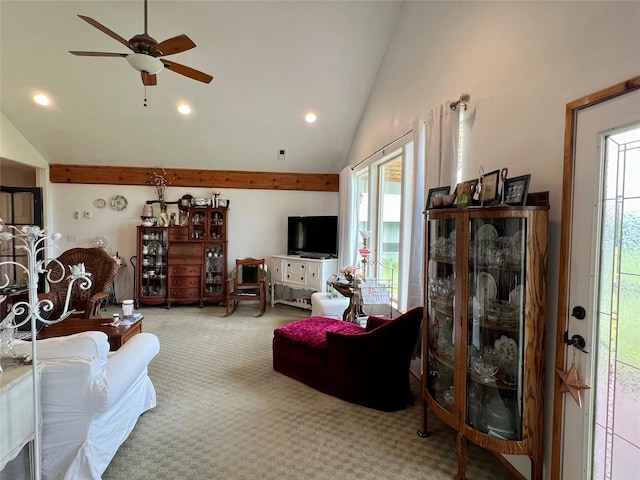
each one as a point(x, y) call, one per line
point(487, 232)
point(486, 288)
point(452, 237)
point(507, 350)
point(515, 296)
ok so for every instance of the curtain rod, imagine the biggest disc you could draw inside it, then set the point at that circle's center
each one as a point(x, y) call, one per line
point(380, 150)
point(462, 101)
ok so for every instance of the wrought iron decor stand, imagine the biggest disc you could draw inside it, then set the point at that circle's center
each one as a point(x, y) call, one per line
point(33, 241)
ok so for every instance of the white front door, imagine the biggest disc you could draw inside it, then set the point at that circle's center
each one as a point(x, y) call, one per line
point(601, 439)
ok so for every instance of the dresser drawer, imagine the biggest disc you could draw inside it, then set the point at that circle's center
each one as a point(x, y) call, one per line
point(189, 253)
point(184, 293)
point(184, 281)
point(185, 270)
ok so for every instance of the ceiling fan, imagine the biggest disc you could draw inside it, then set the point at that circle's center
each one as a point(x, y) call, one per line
point(147, 52)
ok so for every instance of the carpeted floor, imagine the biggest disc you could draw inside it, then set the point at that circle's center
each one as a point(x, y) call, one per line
point(224, 413)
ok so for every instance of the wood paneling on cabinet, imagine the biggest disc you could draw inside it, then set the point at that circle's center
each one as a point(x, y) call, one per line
point(181, 177)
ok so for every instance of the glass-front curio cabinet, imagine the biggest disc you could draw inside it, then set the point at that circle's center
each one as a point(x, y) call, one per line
point(151, 268)
point(483, 359)
point(184, 264)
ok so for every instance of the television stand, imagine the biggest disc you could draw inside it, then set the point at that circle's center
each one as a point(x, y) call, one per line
point(295, 278)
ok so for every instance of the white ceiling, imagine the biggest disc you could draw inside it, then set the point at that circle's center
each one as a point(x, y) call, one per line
point(271, 62)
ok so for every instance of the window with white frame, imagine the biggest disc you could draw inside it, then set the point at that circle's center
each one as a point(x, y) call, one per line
point(381, 195)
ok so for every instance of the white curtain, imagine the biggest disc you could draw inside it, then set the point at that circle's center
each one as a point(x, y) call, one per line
point(442, 147)
point(348, 241)
point(416, 262)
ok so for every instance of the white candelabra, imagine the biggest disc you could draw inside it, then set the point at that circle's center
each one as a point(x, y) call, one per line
point(33, 241)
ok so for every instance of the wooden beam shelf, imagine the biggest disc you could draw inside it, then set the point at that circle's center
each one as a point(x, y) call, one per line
point(182, 177)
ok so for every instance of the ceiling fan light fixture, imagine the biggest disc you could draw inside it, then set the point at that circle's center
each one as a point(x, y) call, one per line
point(145, 63)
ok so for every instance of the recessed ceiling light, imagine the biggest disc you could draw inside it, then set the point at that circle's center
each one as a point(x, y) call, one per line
point(184, 109)
point(41, 99)
point(310, 117)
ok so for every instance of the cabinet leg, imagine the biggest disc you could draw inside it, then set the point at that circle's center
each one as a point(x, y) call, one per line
point(462, 456)
point(423, 432)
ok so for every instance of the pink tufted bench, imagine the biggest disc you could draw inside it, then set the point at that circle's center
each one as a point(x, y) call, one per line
point(368, 366)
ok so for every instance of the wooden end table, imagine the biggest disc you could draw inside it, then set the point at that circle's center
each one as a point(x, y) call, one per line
point(118, 336)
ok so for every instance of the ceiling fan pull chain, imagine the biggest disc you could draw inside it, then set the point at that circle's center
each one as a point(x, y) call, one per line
point(145, 96)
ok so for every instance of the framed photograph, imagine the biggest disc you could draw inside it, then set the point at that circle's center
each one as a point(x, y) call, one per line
point(436, 192)
point(515, 190)
point(464, 192)
point(489, 192)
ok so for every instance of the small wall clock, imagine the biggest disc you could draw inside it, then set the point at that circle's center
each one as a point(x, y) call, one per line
point(118, 202)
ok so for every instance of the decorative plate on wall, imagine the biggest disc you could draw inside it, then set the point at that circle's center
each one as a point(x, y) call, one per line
point(99, 203)
point(118, 202)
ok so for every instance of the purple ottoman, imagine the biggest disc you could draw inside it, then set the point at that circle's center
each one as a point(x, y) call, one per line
point(368, 366)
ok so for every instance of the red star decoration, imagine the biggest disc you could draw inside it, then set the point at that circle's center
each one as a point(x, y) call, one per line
point(571, 383)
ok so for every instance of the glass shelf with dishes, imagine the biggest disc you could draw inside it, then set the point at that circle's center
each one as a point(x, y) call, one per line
point(215, 259)
point(485, 291)
point(151, 271)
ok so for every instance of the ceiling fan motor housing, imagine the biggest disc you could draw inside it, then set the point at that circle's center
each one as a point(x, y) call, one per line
point(143, 43)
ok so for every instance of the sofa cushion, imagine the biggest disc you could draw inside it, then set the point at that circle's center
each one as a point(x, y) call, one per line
point(312, 331)
point(84, 344)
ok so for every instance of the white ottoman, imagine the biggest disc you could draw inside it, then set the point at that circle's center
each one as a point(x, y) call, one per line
point(324, 305)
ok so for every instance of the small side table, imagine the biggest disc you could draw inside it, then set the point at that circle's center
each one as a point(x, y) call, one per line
point(354, 309)
point(16, 412)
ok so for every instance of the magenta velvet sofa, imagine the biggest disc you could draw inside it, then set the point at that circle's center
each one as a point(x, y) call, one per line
point(368, 366)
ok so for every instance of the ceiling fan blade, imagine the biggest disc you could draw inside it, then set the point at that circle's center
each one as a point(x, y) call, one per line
point(104, 29)
point(187, 71)
point(148, 80)
point(178, 44)
point(97, 54)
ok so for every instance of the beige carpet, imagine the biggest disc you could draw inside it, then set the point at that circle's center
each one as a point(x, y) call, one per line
point(223, 413)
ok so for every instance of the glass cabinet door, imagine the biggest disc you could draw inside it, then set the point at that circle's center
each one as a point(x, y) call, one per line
point(197, 223)
point(217, 224)
point(441, 293)
point(153, 262)
point(495, 328)
point(214, 269)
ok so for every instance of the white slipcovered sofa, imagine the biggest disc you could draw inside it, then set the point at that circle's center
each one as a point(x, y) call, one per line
point(91, 400)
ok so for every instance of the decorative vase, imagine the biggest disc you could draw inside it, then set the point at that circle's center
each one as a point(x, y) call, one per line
point(163, 218)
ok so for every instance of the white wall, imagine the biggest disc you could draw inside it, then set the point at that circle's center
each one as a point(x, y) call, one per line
point(521, 62)
point(257, 219)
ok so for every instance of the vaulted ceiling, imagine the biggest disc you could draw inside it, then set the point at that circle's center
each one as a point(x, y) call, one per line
point(272, 62)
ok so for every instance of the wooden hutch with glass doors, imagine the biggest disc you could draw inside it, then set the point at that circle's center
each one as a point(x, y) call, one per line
point(484, 326)
point(184, 264)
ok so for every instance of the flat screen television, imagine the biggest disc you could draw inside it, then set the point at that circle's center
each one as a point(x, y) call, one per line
point(313, 236)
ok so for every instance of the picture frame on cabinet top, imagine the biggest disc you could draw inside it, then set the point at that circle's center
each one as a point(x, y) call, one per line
point(436, 192)
point(489, 192)
point(515, 190)
point(464, 192)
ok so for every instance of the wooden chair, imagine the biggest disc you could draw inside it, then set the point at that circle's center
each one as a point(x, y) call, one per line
point(103, 270)
point(247, 284)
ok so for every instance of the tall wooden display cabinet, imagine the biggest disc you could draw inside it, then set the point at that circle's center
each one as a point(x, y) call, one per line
point(184, 264)
point(484, 325)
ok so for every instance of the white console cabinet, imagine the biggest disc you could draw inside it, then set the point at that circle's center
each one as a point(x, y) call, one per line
point(294, 278)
